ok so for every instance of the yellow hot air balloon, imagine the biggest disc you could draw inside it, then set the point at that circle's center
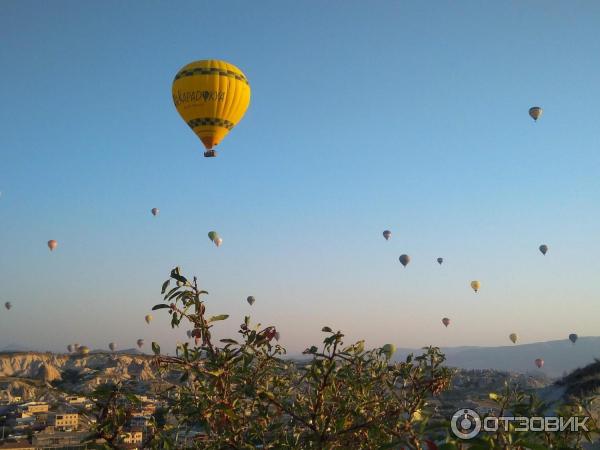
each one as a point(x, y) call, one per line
point(475, 285)
point(148, 318)
point(513, 337)
point(211, 96)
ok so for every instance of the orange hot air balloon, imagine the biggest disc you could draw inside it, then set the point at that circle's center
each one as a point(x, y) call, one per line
point(446, 321)
point(155, 211)
point(52, 244)
point(211, 96)
point(539, 363)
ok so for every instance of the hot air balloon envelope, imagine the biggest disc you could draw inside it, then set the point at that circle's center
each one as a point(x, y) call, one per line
point(8, 305)
point(404, 260)
point(251, 300)
point(539, 363)
point(52, 244)
point(446, 321)
point(513, 337)
point(475, 285)
point(573, 337)
point(212, 97)
point(388, 350)
point(387, 234)
point(535, 112)
point(543, 249)
point(440, 261)
point(148, 318)
point(155, 211)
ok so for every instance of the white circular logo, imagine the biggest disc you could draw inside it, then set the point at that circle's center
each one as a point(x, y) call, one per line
point(465, 424)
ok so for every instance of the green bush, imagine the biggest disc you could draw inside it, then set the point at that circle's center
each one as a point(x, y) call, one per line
point(243, 393)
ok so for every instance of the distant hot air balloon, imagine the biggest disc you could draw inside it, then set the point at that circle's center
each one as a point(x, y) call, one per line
point(155, 211)
point(212, 97)
point(573, 337)
point(112, 346)
point(148, 318)
point(52, 244)
point(404, 260)
point(513, 337)
point(475, 285)
point(440, 261)
point(387, 234)
point(140, 343)
point(543, 249)
point(70, 348)
point(535, 112)
point(388, 350)
point(539, 363)
point(8, 305)
point(84, 350)
point(215, 238)
point(251, 300)
point(446, 321)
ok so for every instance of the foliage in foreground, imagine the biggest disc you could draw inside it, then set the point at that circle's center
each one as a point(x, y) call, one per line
point(242, 394)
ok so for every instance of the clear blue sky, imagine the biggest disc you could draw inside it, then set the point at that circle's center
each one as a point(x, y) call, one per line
point(410, 116)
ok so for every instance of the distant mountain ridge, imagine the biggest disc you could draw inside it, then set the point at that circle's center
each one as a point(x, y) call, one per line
point(559, 356)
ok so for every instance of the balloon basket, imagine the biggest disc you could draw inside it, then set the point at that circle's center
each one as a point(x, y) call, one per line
point(210, 153)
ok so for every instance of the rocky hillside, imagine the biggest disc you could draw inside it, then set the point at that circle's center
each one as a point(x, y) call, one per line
point(76, 372)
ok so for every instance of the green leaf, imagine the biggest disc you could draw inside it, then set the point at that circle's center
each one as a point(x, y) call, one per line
point(161, 306)
point(179, 278)
point(165, 286)
point(168, 294)
point(219, 317)
point(156, 348)
point(229, 341)
point(326, 330)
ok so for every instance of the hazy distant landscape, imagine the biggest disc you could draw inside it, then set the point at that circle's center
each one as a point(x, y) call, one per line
point(560, 356)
